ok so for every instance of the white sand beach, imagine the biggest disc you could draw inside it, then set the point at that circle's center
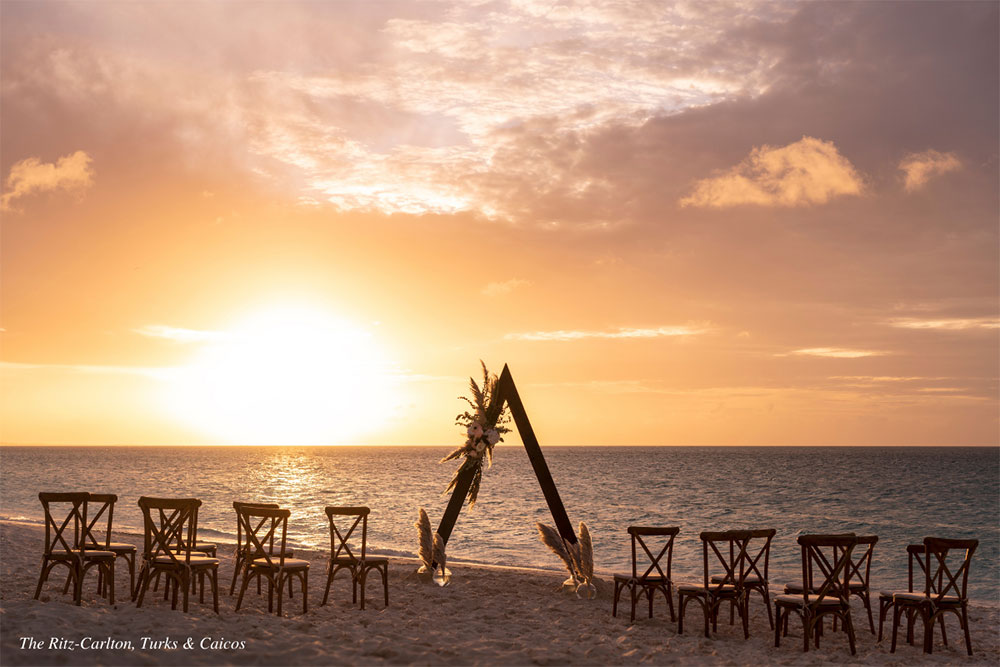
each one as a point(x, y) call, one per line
point(488, 615)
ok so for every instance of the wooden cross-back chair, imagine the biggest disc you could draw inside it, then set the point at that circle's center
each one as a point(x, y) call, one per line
point(103, 505)
point(753, 566)
point(66, 512)
point(169, 525)
point(240, 560)
point(914, 584)
point(653, 578)
point(825, 588)
point(946, 578)
point(343, 557)
point(262, 527)
point(726, 586)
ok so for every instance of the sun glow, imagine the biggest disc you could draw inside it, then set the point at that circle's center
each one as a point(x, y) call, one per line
point(286, 375)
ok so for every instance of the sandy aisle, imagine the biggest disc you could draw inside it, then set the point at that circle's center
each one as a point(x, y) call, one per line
point(487, 616)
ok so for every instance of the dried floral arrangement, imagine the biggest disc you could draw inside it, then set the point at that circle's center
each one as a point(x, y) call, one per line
point(431, 549)
point(578, 558)
point(484, 426)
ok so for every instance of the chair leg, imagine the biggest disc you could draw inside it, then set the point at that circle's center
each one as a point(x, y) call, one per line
point(142, 585)
point(866, 597)
point(895, 626)
point(777, 626)
point(670, 601)
point(243, 588)
point(944, 635)
point(215, 589)
point(849, 627)
point(280, 587)
point(632, 597)
point(649, 594)
point(329, 580)
point(305, 592)
point(42, 577)
point(364, 580)
point(881, 618)
point(614, 602)
point(964, 618)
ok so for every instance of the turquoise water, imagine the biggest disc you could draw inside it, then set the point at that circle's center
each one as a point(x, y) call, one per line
point(901, 494)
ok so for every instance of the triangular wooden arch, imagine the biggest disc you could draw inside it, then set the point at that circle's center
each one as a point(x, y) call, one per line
point(507, 392)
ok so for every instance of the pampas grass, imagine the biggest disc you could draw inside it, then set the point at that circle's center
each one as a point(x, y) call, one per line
point(554, 541)
point(586, 553)
point(578, 558)
point(426, 552)
point(439, 556)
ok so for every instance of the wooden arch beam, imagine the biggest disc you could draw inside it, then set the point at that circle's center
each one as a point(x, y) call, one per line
point(506, 392)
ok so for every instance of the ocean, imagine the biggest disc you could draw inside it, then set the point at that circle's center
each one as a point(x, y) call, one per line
point(901, 494)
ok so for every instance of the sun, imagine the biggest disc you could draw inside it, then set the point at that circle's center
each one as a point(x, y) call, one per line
point(292, 375)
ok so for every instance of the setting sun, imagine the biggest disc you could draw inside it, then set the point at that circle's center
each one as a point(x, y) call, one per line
point(285, 375)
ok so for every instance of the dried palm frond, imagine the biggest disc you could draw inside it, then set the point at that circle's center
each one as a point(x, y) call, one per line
point(454, 455)
point(439, 556)
point(474, 487)
point(554, 541)
point(586, 553)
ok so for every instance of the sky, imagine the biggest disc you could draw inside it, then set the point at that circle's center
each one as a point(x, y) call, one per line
point(688, 223)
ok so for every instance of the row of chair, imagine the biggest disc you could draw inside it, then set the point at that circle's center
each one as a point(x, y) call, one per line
point(834, 569)
point(81, 541)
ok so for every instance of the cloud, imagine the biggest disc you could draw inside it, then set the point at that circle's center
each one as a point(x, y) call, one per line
point(918, 168)
point(72, 173)
point(809, 171)
point(505, 287)
point(563, 335)
point(946, 324)
point(179, 335)
point(159, 373)
point(834, 352)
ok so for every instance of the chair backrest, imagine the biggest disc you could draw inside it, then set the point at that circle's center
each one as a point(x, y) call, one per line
point(744, 553)
point(860, 565)
point(827, 556)
point(640, 534)
point(170, 526)
point(753, 552)
point(62, 510)
point(241, 543)
point(101, 504)
point(916, 553)
point(340, 541)
point(943, 556)
point(262, 526)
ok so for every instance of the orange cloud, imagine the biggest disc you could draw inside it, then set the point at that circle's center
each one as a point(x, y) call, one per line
point(809, 171)
point(833, 352)
point(619, 333)
point(918, 168)
point(946, 324)
point(505, 287)
point(30, 176)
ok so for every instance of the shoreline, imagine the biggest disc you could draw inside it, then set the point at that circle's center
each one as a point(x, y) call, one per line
point(488, 615)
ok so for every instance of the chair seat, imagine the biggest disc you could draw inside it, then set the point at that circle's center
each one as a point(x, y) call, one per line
point(369, 560)
point(749, 581)
point(195, 561)
point(98, 555)
point(920, 597)
point(698, 588)
point(120, 547)
point(652, 580)
point(797, 600)
point(794, 587)
point(290, 564)
point(90, 554)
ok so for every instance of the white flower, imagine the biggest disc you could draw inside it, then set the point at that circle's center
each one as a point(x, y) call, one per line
point(480, 447)
point(493, 436)
point(474, 453)
point(474, 430)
